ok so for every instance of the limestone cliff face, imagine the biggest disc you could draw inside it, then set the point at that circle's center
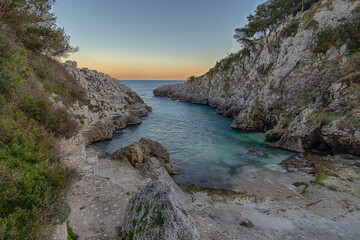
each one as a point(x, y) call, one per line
point(112, 106)
point(301, 99)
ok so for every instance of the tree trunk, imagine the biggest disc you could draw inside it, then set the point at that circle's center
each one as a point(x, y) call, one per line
point(302, 5)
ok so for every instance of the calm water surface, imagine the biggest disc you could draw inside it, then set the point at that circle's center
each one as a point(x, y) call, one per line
point(203, 147)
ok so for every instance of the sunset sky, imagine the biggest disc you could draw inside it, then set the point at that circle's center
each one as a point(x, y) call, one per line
point(152, 39)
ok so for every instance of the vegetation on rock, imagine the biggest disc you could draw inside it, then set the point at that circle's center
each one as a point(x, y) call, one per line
point(347, 33)
point(268, 16)
point(34, 25)
point(296, 82)
point(32, 117)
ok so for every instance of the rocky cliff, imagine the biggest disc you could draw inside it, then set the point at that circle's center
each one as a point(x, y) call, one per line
point(302, 97)
point(112, 106)
point(106, 203)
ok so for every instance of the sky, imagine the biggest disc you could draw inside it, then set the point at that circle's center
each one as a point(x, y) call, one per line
point(152, 39)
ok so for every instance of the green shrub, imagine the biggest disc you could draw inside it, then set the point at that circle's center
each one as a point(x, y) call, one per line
point(191, 79)
point(320, 177)
point(347, 33)
point(291, 29)
point(55, 120)
point(226, 63)
point(31, 176)
point(325, 117)
point(55, 79)
point(71, 234)
point(12, 65)
point(356, 10)
point(327, 39)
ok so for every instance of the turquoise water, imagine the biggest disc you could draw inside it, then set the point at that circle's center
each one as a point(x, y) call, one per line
point(203, 147)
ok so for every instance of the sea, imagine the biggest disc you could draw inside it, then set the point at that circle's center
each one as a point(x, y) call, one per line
point(203, 148)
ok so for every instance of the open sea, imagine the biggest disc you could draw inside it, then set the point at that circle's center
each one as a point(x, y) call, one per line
point(204, 149)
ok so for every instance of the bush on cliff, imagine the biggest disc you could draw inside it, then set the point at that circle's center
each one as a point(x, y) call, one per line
point(268, 16)
point(55, 79)
point(31, 174)
point(346, 33)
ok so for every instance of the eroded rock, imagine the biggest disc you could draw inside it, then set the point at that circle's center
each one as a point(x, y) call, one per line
point(342, 137)
point(156, 213)
point(113, 105)
point(282, 87)
point(140, 152)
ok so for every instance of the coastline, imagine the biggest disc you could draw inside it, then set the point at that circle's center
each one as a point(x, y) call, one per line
point(81, 154)
point(100, 191)
point(100, 194)
point(281, 86)
point(301, 98)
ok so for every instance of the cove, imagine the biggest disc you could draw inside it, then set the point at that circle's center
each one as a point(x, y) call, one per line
point(204, 149)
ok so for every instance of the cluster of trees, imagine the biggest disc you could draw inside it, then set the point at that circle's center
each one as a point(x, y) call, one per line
point(33, 23)
point(267, 16)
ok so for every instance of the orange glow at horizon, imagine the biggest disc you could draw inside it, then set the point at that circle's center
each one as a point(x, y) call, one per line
point(142, 68)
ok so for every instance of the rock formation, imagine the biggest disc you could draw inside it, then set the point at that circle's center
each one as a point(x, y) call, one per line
point(280, 87)
point(140, 152)
point(113, 104)
point(156, 213)
point(301, 98)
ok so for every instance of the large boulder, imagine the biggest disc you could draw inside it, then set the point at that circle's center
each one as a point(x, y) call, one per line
point(140, 152)
point(155, 212)
point(342, 136)
point(302, 133)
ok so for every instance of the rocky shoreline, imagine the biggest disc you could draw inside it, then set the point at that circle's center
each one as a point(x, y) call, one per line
point(113, 106)
point(107, 191)
point(280, 87)
point(302, 99)
point(105, 201)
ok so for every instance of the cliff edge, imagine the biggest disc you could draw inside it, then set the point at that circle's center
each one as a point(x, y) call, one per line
point(300, 84)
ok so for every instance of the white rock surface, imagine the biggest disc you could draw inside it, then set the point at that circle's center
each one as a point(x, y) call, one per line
point(280, 78)
point(113, 104)
point(155, 212)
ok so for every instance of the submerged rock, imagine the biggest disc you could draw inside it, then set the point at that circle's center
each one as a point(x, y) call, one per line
point(299, 162)
point(260, 152)
point(156, 213)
